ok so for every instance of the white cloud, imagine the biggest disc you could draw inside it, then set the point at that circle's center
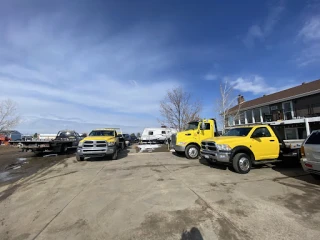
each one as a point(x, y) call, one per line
point(254, 84)
point(311, 29)
point(262, 31)
point(257, 85)
point(310, 34)
point(56, 74)
point(210, 77)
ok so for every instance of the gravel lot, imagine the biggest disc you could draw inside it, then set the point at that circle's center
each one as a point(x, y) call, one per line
point(159, 196)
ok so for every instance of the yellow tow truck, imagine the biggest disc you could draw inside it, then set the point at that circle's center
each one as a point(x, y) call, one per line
point(189, 140)
point(103, 142)
point(244, 146)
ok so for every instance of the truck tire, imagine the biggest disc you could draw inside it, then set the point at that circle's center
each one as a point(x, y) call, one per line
point(79, 158)
point(192, 151)
point(241, 163)
point(115, 155)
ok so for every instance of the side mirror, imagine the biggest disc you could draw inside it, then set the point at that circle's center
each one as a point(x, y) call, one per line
point(202, 126)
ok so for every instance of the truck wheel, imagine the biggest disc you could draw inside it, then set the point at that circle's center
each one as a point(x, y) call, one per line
point(115, 155)
point(241, 163)
point(192, 152)
point(79, 158)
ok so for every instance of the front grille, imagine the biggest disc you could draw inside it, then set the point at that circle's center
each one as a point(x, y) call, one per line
point(93, 144)
point(173, 139)
point(211, 146)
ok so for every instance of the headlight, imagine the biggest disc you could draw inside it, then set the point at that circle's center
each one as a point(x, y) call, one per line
point(111, 144)
point(223, 147)
point(80, 144)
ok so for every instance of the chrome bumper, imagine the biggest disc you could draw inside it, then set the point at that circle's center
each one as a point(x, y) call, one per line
point(95, 151)
point(216, 156)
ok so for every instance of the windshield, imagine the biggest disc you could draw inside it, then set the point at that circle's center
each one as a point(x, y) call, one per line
point(65, 134)
point(238, 132)
point(192, 125)
point(102, 133)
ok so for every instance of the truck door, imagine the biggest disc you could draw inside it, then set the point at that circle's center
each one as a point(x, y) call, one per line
point(206, 132)
point(264, 145)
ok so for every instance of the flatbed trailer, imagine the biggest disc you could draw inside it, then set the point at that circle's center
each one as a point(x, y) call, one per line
point(64, 141)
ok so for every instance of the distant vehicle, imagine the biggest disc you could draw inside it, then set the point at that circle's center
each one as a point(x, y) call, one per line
point(157, 135)
point(26, 138)
point(310, 154)
point(12, 134)
point(102, 142)
point(134, 139)
point(64, 140)
point(127, 139)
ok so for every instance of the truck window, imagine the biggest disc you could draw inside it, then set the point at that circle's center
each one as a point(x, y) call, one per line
point(192, 125)
point(261, 132)
point(102, 133)
point(238, 132)
point(206, 126)
point(314, 138)
point(150, 132)
point(163, 132)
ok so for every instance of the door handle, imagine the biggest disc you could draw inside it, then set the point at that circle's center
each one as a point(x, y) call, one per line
point(271, 140)
point(188, 134)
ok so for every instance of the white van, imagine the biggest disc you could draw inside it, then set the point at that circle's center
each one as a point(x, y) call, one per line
point(157, 135)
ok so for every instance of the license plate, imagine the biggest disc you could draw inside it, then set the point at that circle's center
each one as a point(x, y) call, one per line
point(206, 156)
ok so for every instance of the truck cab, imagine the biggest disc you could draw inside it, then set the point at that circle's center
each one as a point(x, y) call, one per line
point(189, 140)
point(242, 147)
point(99, 143)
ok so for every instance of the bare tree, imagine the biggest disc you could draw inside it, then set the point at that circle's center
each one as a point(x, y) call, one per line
point(177, 108)
point(227, 105)
point(8, 115)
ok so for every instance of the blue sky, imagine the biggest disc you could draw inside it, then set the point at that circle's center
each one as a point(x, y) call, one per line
point(85, 64)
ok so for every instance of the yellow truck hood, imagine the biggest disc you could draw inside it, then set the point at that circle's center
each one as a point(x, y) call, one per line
point(226, 139)
point(99, 138)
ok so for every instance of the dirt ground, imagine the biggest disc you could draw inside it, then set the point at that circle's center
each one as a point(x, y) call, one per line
point(160, 196)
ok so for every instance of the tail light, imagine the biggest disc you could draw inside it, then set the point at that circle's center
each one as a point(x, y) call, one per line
point(302, 151)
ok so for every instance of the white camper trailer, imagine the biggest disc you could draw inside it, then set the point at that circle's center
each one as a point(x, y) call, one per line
point(157, 135)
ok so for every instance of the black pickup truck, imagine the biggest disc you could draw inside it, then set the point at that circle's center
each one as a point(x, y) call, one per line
point(63, 141)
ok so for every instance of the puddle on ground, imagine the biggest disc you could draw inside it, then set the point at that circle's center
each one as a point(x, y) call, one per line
point(23, 167)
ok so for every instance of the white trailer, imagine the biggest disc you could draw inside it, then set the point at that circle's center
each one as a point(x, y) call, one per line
point(157, 135)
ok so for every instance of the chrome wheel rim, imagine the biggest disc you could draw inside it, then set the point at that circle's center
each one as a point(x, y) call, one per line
point(244, 164)
point(193, 152)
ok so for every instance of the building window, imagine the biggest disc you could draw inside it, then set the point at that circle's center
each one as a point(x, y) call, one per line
point(236, 120)
point(265, 111)
point(230, 121)
point(287, 110)
point(249, 116)
point(242, 118)
point(256, 115)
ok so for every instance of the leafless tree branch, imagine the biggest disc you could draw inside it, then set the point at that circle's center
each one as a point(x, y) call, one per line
point(226, 102)
point(177, 109)
point(8, 115)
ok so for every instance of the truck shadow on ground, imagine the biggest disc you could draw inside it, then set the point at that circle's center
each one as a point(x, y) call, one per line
point(293, 169)
point(121, 154)
point(203, 161)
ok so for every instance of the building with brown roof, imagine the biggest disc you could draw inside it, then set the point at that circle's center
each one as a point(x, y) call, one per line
point(291, 107)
